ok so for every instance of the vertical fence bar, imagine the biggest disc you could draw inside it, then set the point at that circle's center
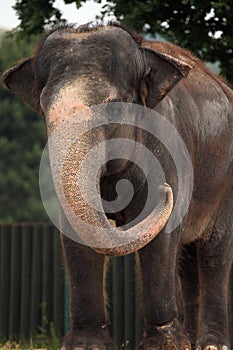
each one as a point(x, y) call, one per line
point(66, 305)
point(36, 277)
point(138, 321)
point(118, 300)
point(109, 293)
point(15, 275)
point(47, 273)
point(58, 294)
point(5, 266)
point(137, 300)
point(25, 285)
point(129, 306)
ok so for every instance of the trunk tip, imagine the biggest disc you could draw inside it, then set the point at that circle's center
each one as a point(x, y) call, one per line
point(165, 188)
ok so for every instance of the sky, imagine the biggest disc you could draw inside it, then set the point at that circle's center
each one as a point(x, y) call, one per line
point(9, 20)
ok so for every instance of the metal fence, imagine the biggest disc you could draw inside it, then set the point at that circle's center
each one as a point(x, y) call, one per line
point(32, 279)
point(34, 292)
point(33, 286)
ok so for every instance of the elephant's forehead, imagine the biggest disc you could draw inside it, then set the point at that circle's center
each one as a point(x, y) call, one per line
point(110, 33)
point(67, 35)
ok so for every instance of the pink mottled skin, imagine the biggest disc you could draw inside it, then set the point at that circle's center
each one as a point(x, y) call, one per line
point(64, 106)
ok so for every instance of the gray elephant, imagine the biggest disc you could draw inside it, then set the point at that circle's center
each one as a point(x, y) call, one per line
point(76, 68)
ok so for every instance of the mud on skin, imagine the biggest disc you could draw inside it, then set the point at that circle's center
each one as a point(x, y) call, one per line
point(75, 68)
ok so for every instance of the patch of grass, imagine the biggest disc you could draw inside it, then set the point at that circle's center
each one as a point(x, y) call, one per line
point(25, 345)
point(42, 341)
point(46, 339)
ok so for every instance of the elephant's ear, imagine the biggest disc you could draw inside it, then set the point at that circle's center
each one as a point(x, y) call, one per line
point(21, 81)
point(162, 73)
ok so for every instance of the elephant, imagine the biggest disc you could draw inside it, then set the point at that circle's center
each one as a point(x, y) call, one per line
point(75, 68)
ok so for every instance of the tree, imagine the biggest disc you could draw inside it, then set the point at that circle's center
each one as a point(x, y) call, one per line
point(204, 27)
point(22, 139)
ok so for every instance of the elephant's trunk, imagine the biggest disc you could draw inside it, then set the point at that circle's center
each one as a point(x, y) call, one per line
point(101, 235)
point(88, 219)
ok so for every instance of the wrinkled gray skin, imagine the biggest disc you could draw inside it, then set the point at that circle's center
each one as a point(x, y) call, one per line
point(107, 64)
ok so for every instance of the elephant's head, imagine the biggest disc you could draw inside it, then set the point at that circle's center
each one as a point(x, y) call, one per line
point(74, 69)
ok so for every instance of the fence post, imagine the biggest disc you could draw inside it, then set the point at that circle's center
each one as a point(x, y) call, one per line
point(5, 261)
point(58, 285)
point(15, 275)
point(26, 279)
point(36, 268)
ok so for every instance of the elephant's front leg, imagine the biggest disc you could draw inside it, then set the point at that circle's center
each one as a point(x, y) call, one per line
point(87, 311)
point(158, 274)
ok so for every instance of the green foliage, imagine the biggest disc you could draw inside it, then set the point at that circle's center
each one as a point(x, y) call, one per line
point(22, 139)
point(35, 15)
point(45, 339)
point(203, 27)
point(193, 24)
point(47, 336)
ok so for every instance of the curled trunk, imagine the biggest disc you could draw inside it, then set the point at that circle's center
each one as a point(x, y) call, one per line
point(91, 224)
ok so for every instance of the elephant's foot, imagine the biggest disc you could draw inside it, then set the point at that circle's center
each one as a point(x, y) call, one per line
point(213, 342)
point(87, 339)
point(170, 336)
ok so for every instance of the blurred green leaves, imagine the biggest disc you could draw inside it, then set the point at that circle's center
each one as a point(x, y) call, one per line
point(22, 139)
point(204, 27)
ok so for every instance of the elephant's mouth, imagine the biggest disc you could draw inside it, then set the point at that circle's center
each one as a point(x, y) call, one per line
point(78, 190)
point(116, 167)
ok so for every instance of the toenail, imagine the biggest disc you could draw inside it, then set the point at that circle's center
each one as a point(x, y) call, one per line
point(211, 347)
point(225, 347)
